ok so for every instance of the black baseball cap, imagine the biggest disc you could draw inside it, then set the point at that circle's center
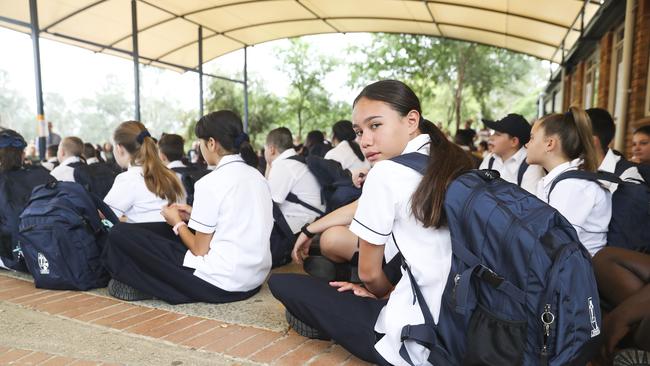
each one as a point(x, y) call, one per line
point(513, 124)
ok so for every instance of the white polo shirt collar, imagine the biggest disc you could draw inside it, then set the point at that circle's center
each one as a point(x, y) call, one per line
point(70, 160)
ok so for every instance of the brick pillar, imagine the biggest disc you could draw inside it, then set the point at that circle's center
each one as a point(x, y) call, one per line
point(577, 82)
point(604, 70)
point(566, 97)
point(639, 72)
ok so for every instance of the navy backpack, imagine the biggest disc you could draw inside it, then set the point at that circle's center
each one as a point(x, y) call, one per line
point(628, 227)
point(97, 178)
point(62, 236)
point(521, 289)
point(15, 189)
point(189, 176)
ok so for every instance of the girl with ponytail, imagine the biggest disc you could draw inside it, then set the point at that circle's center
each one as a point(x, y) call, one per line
point(147, 185)
point(397, 204)
point(562, 143)
point(346, 150)
point(215, 251)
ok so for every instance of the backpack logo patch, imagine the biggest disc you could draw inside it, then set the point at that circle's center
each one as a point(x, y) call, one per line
point(592, 316)
point(43, 264)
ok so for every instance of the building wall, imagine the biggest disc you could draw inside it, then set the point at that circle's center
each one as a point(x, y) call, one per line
point(604, 70)
point(639, 73)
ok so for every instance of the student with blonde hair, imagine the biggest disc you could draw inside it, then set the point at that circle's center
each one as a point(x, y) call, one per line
point(69, 155)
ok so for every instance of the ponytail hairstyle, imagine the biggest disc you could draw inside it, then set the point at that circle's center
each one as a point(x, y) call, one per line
point(12, 145)
point(573, 128)
point(134, 137)
point(446, 162)
point(226, 128)
point(343, 131)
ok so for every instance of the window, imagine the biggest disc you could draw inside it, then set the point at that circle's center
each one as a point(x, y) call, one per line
point(591, 81)
point(557, 100)
point(616, 77)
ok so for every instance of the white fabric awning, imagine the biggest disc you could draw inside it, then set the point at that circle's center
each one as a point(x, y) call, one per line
point(168, 29)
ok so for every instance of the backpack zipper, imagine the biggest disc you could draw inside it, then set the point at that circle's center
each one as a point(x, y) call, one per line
point(547, 319)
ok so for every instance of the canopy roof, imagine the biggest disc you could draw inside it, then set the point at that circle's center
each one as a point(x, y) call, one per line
point(168, 29)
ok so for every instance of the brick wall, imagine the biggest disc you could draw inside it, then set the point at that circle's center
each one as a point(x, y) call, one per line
point(577, 82)
point(639, 73)
point(604, 70)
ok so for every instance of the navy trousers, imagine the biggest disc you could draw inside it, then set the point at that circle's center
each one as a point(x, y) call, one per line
point(149, 257)
point(346, 318)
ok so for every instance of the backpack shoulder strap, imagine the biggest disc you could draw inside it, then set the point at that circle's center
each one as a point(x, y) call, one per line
point(590, 176)
point(298, 158)
point(622, 165)
point(291, 197)
point(491, 163)
point(520, 173)
point(414, 160)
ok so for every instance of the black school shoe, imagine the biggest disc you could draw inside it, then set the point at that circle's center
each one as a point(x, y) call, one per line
point(323, 268)
point(303, 329)
point(125, 292)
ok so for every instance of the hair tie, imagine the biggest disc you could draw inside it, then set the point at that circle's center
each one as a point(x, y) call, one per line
point(243, 137)
point(568, 114)
point(7, 140)
point(142, 135)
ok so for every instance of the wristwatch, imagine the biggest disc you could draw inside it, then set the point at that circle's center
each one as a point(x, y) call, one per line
point(178, 226)
point(307, 232)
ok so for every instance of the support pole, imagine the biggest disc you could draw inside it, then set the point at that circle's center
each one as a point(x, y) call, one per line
point(200, 71)
point(40, 112)
point(621, 124)
point(136, 57)
point(246, 89)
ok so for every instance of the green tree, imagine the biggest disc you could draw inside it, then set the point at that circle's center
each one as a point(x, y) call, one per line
point(15, 113)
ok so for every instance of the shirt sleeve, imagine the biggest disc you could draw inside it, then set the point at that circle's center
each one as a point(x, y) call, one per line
point(280, 181)
point(574, 201)
point(120, 198)
point(205, 210)
point(375, 215)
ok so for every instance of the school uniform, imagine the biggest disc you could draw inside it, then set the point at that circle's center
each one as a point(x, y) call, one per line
point(371, 329)
point(630, 174)
point(234, 204)
point(177, 164)
point(130, 197)
point(291, 176)
point(344, 154)
point(509, 169)
point(585, 204)
point(64, 172)
point(91, 161)
point(50, 163)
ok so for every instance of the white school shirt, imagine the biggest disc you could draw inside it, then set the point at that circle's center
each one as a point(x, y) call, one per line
point(344, 154)
point(385, 209)
point(509, 170)
point(585, 204)
point(49, 164)
point(90, 161)
point(130, 197)
point(234, 204)
point(63, 172)
point(631, 174)
point(291, 176)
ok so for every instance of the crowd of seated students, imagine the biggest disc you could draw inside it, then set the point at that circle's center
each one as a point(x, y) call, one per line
point(217, 249)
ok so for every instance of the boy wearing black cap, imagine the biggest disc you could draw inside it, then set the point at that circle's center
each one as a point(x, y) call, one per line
point(508, 157)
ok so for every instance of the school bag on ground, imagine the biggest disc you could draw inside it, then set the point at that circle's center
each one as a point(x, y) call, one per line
point(189, 176)
point(629, 225)
point(15, 189)
point(97, 178)
point(62, 236)
point(521, 289)
point(337, 189)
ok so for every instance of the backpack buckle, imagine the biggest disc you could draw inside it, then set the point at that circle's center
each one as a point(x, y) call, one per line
point(406, 333)
point(488, 275)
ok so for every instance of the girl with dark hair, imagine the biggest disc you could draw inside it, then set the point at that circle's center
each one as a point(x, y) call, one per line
point(562, 143)
point(346, 150)
point(641, 145)
point(315, 144)
point(216, 251)
point(397, 203)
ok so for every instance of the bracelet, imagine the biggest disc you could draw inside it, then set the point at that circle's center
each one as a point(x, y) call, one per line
point(178, 226)
point(307, 232)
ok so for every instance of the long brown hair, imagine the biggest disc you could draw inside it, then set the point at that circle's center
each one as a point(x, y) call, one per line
point(157, 177)
point(446, 160)
point(576, 137)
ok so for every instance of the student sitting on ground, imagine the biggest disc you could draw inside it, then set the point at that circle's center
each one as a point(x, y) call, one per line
point(609, 160)
point(90, 154)
point(397, 202)
point(69, 155)
point(289, 176)
point(138, 194)
point(508, 155)
point(346, 151)
point(623, 278)
point(16, 184)
point(564, 142)
point(222, 253)
point(51, 161)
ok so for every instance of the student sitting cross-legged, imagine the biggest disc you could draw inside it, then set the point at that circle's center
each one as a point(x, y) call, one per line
point(216, 251)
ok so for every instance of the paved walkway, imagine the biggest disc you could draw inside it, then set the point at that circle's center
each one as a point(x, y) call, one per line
point(84, 328)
